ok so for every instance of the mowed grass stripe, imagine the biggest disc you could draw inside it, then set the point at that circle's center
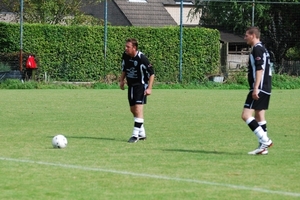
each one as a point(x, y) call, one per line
point(238, 187)
point(194, 135)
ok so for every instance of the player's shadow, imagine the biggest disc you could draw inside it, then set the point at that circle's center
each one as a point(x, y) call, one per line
point(202, 151)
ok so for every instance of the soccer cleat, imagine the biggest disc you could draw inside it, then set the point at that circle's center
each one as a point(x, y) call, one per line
point(263, 145)
point(259, 152)
point(133, 139)
point(262, 148)
point(142, 137)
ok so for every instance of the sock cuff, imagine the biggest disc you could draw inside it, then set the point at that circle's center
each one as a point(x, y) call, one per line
point(262, 123)
point(138, 120)
point(250, 119)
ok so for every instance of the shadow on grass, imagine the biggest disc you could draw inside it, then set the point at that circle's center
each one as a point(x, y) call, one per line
point(93, 138)
point(203, 151)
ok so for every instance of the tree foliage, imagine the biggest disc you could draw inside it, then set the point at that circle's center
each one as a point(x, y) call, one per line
point(278, 21)
point(53, 11)
point(282, 29)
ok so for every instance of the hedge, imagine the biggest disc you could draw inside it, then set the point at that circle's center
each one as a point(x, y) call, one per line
point(76, 53)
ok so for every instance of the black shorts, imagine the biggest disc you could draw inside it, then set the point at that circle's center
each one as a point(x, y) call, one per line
point(261, 104)
point(136, 95)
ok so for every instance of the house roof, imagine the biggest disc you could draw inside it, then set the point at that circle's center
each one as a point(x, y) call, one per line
point(151, 13)
point(132, 12)
point(114, 15)
point(227, 36)
point(231, 38)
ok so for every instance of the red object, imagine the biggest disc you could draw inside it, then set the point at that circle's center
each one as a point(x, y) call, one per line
point(30, 63)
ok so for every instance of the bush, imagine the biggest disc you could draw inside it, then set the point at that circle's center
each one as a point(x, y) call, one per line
point(4, 67)
point(283, 81)
point(76, 53)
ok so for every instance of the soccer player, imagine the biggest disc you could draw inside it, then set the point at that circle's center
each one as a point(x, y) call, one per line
point(257, 101)
point(139, 75)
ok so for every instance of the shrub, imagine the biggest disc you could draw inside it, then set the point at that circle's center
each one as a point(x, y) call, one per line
point(76, 53)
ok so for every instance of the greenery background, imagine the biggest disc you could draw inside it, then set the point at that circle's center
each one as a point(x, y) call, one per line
point(75, 53)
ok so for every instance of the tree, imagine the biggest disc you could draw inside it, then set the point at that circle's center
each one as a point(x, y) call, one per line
point(53, 11)
point(282, 30)
point(279, 21)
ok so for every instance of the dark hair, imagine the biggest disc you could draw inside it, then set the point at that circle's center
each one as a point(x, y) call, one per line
point(133, 41)
point(253, 30)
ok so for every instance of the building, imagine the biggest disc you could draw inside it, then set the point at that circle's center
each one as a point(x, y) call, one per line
point(154, 13)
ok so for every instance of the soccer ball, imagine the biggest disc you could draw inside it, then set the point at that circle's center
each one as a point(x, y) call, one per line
point(59, 141)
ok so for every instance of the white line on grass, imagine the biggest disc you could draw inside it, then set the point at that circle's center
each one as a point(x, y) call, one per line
point(239, 187)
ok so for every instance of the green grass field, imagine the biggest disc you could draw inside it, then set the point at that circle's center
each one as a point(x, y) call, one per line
point(196, 147)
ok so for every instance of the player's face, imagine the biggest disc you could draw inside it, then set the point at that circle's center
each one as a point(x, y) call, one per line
point(249, 38)
point(130, 49)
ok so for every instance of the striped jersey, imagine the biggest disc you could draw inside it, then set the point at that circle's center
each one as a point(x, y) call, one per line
point(260, 60)
point(138, 69)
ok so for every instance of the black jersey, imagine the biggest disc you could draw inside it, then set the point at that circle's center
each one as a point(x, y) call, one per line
point(138, 69)
point(260, 60)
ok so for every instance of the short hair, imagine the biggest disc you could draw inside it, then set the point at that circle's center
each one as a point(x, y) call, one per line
point(253, 30)
point(133, 41)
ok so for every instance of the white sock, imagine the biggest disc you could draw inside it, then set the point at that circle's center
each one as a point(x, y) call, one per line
point(260, 134)
point(136, 130)
point(263, 124)
point(142, 131)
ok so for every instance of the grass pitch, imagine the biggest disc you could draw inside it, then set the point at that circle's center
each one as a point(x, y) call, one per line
point(196, 147)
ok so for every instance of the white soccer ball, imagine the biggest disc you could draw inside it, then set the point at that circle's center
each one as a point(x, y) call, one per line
point(59, 141)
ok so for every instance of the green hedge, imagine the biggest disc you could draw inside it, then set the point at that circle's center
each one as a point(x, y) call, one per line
point(76, 53)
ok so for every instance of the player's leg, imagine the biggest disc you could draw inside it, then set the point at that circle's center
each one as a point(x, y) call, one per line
point(137, 109)
point(261, 107)
point(247, 115)
point(260, 118)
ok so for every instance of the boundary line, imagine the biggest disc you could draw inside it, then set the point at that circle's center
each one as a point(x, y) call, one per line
point(238, 187)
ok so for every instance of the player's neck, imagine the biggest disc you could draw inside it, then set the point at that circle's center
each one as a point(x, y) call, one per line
point(255, 42)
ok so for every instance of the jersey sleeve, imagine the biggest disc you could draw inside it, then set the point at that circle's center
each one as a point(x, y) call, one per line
point(123, 62)
point(148, 65)
point(258, 55)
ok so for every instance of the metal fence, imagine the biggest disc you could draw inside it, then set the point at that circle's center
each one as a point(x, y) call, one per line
point(289, 67)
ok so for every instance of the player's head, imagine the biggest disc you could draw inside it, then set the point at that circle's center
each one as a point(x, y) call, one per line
point(252, 35)
point(131, 46)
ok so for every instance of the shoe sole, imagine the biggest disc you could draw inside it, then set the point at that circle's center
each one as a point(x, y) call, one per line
point(142, 138)
point(263, 152)
point(271, 144)
point(133, 141)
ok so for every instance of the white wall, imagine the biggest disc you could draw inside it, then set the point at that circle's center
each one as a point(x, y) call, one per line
point(8, 17)
point(234, 61)
point(174, 11)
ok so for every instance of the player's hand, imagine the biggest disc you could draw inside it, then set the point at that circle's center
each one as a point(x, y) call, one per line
point(122, 85)
point(147, 91)
point(255, 94)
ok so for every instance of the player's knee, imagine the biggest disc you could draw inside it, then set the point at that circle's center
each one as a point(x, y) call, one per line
point(244, 116)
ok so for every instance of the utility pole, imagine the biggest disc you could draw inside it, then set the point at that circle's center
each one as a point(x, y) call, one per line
point(21, 34)
point(181, 35)
point(253, 9)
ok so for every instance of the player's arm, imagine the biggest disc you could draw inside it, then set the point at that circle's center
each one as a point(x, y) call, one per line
point(150, 84)
point(258, 75)
point(122, 80)
point(150, 71)
point(258, 57)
